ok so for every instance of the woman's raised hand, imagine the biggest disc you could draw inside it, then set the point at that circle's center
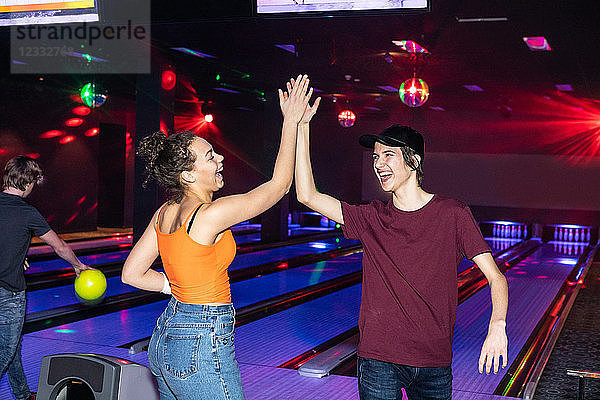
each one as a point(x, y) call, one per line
point(294, 101)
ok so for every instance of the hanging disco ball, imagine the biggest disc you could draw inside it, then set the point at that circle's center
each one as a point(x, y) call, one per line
point(346, 118)
point(93, 95)
point(414, 92)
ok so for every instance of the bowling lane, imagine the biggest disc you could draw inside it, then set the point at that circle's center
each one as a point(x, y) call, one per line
point(305, 248)
point(117, 241)
point(533, 284)
point(282, 253)
point(59, 263)
point(496, 245)
point(138, 322)
point(46, 299)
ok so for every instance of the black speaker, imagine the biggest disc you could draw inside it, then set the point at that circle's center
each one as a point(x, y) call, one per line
point(75, 376)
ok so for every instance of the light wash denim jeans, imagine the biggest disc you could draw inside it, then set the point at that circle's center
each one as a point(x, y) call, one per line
point(379, 380)
point(12, 316)
point(191, 353)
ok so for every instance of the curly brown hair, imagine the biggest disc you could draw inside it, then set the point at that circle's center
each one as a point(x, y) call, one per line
point(166, 158)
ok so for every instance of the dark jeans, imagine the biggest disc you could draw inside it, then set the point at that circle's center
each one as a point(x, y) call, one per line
point(379, 380)
point(12, 315)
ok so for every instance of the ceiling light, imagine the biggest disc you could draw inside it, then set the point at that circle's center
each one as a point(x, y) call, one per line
point(220, 89)
point(537, 43)
point(290, 48)
point(410, 46)
point(473, 88)
point(388, 88)
point(482, 19)
point(565, 87)
point(194, 53)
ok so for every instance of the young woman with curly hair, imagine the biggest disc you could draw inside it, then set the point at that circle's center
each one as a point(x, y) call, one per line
point(191, 351)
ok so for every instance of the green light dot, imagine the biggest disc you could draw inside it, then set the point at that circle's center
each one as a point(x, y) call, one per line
point(337, 226)
point(337, 240)
point(218, 77)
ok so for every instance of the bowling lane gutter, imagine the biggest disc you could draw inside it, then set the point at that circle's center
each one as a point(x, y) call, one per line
point(76, 312)
point(470, 281)
point(525, 371)
point(65, 276)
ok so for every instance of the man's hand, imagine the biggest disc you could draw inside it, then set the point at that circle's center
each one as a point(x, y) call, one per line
point(82, 268)
point(294, 101)
point(494, 347)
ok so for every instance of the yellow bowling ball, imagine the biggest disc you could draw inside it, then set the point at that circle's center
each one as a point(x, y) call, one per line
point(90, 285)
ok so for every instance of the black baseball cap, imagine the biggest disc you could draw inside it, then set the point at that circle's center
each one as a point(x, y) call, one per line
point(396, 136)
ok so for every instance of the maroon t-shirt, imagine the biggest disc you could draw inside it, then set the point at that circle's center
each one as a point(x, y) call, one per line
point(410, 260)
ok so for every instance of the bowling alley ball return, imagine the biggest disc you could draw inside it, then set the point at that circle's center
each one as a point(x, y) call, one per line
point(75, 376)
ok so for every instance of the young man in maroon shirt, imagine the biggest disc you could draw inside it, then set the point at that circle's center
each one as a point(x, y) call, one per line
point(412, 247)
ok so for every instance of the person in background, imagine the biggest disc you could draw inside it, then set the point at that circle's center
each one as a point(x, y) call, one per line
point(19, 222)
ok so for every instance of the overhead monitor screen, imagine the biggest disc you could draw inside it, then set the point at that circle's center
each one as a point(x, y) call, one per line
point(327, 7)
point(28, 12)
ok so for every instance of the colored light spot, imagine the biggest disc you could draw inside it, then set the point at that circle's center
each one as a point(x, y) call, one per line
point(67, 139)
point(81, 110)
point(208, 118)
point(64, 331)
point(74, 122)
point(51, 134)
point(92, 132)
point(168, 80)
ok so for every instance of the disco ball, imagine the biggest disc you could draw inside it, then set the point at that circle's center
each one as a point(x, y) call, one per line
point(414, 92)
point(93, 95)
point(346, 118)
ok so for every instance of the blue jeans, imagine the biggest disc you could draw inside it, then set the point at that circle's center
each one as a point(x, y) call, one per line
point(191, 353)
point(379, 380)
point(12, 316)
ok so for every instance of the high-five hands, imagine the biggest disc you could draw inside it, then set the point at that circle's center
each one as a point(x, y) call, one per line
point(293, 102)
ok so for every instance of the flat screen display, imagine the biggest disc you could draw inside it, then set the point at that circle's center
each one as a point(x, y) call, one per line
point(29, 12)
point(332, 7)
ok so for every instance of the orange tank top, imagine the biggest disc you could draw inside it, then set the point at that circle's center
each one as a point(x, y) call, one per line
point(197, 272)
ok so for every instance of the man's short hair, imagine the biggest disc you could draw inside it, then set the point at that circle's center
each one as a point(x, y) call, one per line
point(20, 171)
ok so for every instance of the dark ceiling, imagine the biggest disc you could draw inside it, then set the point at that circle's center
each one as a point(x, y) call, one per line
point(519, 110)
point(491, 55)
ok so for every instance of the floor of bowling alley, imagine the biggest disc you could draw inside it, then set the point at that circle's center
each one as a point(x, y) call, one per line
point(307, 290)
